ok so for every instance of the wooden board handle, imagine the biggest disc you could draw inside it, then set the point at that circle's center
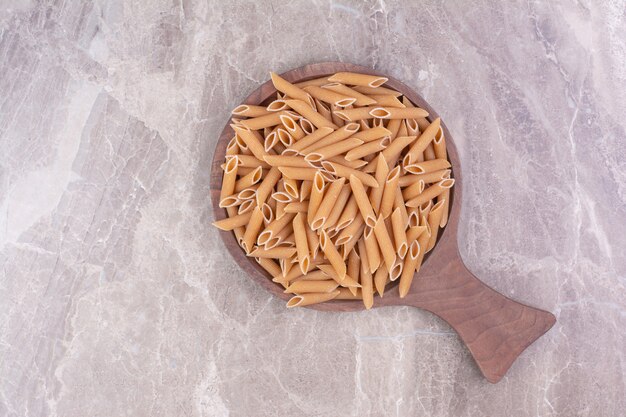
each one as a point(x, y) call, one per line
point(495, 328)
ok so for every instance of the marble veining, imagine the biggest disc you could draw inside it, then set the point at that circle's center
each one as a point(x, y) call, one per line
point(116, 297)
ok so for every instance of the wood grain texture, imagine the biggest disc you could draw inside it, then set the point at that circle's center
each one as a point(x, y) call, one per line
point(495, 329)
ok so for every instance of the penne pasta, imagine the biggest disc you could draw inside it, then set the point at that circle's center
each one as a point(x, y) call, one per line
point(291, 90)
point(298, 173)
point(274, 253)
point(332, 255)
point(333, 150)
point(251, 140)
point(348, 214)
point(345, 172)
point(389, 193)
point(376, 194)
point(387, 100)
point(397, 113)
point(330, 96)
point(311, 115)
point(362, 201)
point(306, 286)
point(408, 269)
point(434, 218)
point(297, 207)
point(360, 99)
point(413, 190)
point(302, 245)
point(376, 90)
point(372, 249)
point(233, 222)
point(422, 143)
point(317, 193)
point(381, 278)
point(427, 178)
point(337, 136)
point(384, 243)
point(337, 209)
point(248, 110)
point(327, 203)
point(399, 204)
point(367, 282)
point(374, 133)
point(399, 233)
point(351, 232)
point(392, 152)
point(367, 148)
point(249, 180)
point(229, 181)
point(445, 197)
point(316, 81)
point(311, 298)
point(352, 78)
point(354, 114)
point(430, 193)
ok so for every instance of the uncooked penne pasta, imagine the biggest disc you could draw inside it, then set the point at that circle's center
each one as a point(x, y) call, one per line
point(337, 188)
point(361, 99)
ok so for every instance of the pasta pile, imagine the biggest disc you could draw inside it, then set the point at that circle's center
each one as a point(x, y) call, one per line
point(338, 187)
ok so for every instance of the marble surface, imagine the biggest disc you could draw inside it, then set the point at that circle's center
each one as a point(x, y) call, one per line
point(116, 297)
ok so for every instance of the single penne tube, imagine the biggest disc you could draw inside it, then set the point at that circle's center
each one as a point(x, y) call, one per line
point(245, 206)
point(430, 193)
point(439, 144)
point(376, 194)
point(232, 148)
point(305, 189)
point(353, 78)
point(302, 245)
point(317, 194)
point(251, 161)
point(277, 105)
point(254, 142)
point(398, 228)
point(233, 222)
point(381, 278)
point(310, 139)
point(445, 197)
point(271, 140)
point(230, 201)
point(389, 193)
point(286, 161)
point(229, 180)
point(392, 152)
point(350, 232)
point(312, 241)
point(239, 230)
point(367, 148)
point(249, 110)
point(315, 81)
point(333, 150)
point(252, 229)
point(267, 185)
point(347, 281)
point(356, 164)
point(332, 255)
point(311, 298)
point(414, 232)
point(314, 275)
point(348, 214)
point(297, 207)
point(423, 240)
point(434, 218)
point(305, 286)
point(384, 243)
point(396, 270)
point(374, 133)
point(284, 139)
point(298, 173)
point(362, 201)
point(293, 128)
point(291, 187)
point(387, 100)
point(365, 275)
point(284, 237)
point(241, 171)
point(248, 193)
point(414, 216)
point(399, 203)
point(279, 252)
point(307, 127)
point(345, 172)
point(330, 96)
point(429, 152)
point(348, 294)
point(270, 119)
point(249, 179)
point(354, 266)
point(372, 249)
point(414, 190)
point(282, 197)
point(279, 223)
point(408, 269)
point(327, 203)
point(397, 113)
point(323, 109)
point(337, 209)
point(270, 266)
point(361, 99)
point(428, 178)
point(354, 114)
point(305, 110)
point(422, 142)
point(337, 136)
point(412, 127)
point(291, 90)
point(369, 91)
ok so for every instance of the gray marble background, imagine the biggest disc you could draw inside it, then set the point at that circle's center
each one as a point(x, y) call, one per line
point(117, 299)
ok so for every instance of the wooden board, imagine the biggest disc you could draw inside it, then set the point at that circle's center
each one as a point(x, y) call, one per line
point(495, 329)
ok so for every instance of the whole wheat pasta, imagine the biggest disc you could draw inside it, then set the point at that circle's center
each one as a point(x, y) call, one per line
point(367, 148)
point(362, 201)
point(291, 90)
point(344, 132)
point(408, 269)
point(290, 206)
point(376, 194)
point(399, 233)
point(311, 115)
point(384, 243)
point(330, 96)
point(327, 203)
point(361, 99)
point(333, 256)
point(353, 78)
point(372, 249)
point(389, 193)
point(430, 193)
point(345, 172)
point(422, 142)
